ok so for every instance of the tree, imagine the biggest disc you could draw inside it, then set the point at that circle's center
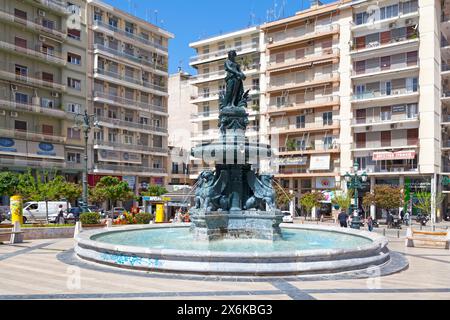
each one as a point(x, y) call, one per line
point(8, 183)
point(424, 201)
point(115, 190)
point(155, 191)
point(97, 195)
point(343, 201)
point(388, 197)
point(368, 201)
point(71, 191)
point(310, 200)
point(282, 196)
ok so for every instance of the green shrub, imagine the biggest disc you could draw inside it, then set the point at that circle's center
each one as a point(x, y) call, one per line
point(90, 218)
point(143, 218)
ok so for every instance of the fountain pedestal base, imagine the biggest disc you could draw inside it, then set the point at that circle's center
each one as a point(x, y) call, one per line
point(252, 224)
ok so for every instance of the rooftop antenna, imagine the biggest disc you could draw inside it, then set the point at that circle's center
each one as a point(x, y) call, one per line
point(156, 17)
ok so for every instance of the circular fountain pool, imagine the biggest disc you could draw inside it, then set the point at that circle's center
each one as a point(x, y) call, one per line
point(304, 249)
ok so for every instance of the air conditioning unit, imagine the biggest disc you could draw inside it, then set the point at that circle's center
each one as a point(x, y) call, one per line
point(270, 39)
point(14, 114)
point(41, 13)
point(408, 22)
point(368, 128)
point(393, 126)
point(2, 113)
point(392, 25)
point(55, 94)
point(13, 87)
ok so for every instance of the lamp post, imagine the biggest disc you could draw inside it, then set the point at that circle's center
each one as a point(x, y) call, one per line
point(85, 122)
point(355, 181)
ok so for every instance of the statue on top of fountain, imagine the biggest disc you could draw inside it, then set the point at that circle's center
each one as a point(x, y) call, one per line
point(233, 102)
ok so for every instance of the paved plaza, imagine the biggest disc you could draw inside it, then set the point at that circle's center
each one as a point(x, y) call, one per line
point(47, 269)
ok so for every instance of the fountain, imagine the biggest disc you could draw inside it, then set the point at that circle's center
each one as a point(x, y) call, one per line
point(235, 227)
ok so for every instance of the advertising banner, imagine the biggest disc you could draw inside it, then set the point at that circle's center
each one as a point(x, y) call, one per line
point(320, 162)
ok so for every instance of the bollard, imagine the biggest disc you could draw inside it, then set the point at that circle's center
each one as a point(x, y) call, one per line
point(78, 228)
point(108, 223)
point(384, 232)
point(398, 233)
point(16, 237)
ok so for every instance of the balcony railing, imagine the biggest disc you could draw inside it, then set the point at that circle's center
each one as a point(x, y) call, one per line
point(33, 136)
point(312, 147)
point(397, 143)
point(378, 44)
point(129, 124)
point(126, 78)
point(392, 67)
point(392, 168)
point(129, 103)
point(32, 25)
point(129, 56)
point(308, 56)
point(223, 52)
point(305, 126)
point(221, 73)
point(40, 164)
point(305, 170)
point(55, 5)
point(379, 94)
point(291, 35)
point(28, 107)
point(378, 120)
point(124, 168)
point(130, 35)
point(303, 82)
point(317, 101)
point(39, 52)
point(31, 81)
point(130, 146)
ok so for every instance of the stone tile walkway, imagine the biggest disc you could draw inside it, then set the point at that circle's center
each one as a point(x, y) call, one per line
point(40, 270)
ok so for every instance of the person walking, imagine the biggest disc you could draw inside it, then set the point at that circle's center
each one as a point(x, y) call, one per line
point(60, 216)
point(343, 217)
point(406, 218)
point(370, 223)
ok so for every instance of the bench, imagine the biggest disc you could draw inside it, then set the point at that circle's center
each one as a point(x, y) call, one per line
point(14, 233)
point(427, 239)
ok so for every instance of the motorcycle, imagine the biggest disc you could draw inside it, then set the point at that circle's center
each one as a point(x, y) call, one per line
point(422, 219)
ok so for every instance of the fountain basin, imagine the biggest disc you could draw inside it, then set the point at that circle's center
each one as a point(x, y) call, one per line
point(136, 247)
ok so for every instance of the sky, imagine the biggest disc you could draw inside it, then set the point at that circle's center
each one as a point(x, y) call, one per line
point(192, 20)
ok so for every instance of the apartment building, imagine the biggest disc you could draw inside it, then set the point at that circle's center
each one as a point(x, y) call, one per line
point(302, 108)
point(128, 92)
point(180, 127)
point(42, 85)
point(209, 60)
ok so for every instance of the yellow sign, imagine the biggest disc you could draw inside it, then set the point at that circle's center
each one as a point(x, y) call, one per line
point(16, 209)
point(159, 213)
point(166, 199)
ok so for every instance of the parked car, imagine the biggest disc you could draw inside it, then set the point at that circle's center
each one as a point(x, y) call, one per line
point(33, 211)
point(116, 212)
point(287, 217)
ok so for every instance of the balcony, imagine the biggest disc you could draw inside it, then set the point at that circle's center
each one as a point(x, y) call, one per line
point(211, 134)
point(401, 42)
point(392, 168)
point(130, 125)
point(220, 74)
point(38, 53)
point(377, 22)
point(129, 35)
point(292, 37)
point(402, 66)
point(366, 121)
point(11, 18)
point(139, 60)
point(125, 146)
point(127, 81)
point(214, 95)
point(35, 109)
point(31, 81)
point(305, 61)
point(310, 149)
point(222, 54)
point(98, 167)
point(36, 164)
point(377, 145)
point(32, 136)
point(305, 127)
point(302, 83)
point(381, 95)
point(317, 102)
point(56, 6)
point(129, 103)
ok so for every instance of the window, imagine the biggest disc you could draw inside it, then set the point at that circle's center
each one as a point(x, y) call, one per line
point(74, 107)
point(327, 118)
point(300, 53)
point(73, 8)
point(328, 142)
point(411, 84)
point(157, 141)
point(21, 98)
point(175, 167)
point(74, 34)
point(129, 27)
point(74, 83)
point(411, 58)
point(73, 133)
point(255, 84)
point(360, 140)
point(361, 18)
point(301, 144)
point(385, 114)
point(112, 135)
point(20, 125)
point(411, 110)
point(143, 120)
point(205, 92)
point(20, 14)
point(362, 162)
point(385, 138)
point(300, 121)
point(127, 137)
point(360, 67)
point(49, 24)
point(97, 15)
point(409, 6)
point(73, 58)
point(47, 129)
point(19, 42)
point(73, 157)
point(279, 58)
point(113, 22)
point(112, 113)
point(48, 77)
point(21, 71)
point(281, 101)
point(128, 117)
point(47, 103)
point(157, 164)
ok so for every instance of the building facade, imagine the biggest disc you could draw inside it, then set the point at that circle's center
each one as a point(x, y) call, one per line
point(128, 92)
point(42, 85)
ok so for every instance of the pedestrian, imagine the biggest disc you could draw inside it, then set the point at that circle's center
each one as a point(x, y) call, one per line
point(406, 218)
point(402, 214)
point(370, 223)
point(343, 217)
point(60, 216)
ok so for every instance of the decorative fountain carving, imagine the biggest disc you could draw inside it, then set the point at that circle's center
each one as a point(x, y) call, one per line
point(233, 201)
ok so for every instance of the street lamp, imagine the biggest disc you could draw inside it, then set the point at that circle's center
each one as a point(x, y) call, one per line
point(85, 122)
point(354, 182)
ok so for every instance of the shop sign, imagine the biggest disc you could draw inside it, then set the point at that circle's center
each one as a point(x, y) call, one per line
point(445, 180)
point(131, 180)
point(398, 109)
point(325, 183)
point(328, 196)
point(320, 162)
point(399, 155)
point(7, 144)
point(300, 161)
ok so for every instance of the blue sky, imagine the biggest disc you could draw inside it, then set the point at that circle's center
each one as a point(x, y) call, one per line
point(198, 19)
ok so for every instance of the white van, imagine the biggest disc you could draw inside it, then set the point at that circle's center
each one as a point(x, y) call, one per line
point(37, 210)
